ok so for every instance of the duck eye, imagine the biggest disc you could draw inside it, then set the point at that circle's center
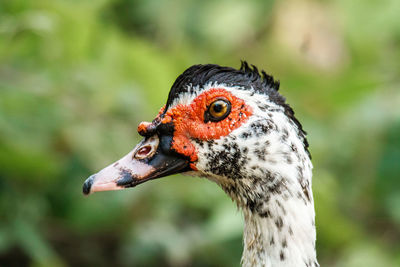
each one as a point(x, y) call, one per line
point(218, 110)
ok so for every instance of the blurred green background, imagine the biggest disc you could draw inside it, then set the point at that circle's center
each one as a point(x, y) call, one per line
point(76, 78)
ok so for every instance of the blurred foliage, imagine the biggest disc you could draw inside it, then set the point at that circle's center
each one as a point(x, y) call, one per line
point(76, 77)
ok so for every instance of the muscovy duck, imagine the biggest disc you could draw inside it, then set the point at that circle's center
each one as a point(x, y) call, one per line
point(233, 127)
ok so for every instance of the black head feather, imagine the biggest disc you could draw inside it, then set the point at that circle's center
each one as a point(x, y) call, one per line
point(254, 75)
point(246, 77)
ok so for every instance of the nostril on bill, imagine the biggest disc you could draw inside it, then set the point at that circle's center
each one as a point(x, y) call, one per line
point(147, 148)
point(143, 151)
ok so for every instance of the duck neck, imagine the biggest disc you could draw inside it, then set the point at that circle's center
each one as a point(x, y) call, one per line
point(279, 216)
point(283, 234)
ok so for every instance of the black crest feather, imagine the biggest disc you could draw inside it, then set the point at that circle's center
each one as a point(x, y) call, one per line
point(254, 75)
point(246, 77)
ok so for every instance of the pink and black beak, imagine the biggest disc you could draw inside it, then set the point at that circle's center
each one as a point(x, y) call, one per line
point(152, 158)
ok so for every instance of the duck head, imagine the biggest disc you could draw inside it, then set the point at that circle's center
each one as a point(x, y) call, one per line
point(231, 126)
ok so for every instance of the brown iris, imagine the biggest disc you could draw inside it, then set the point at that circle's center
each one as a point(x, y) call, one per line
point(218, 110)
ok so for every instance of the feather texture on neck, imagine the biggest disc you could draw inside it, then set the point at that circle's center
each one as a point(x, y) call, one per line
point(284, 235)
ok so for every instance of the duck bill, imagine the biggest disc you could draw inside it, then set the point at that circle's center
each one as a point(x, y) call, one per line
point(150, 159)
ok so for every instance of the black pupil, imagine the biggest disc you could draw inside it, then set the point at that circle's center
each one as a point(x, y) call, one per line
point(218, 107)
